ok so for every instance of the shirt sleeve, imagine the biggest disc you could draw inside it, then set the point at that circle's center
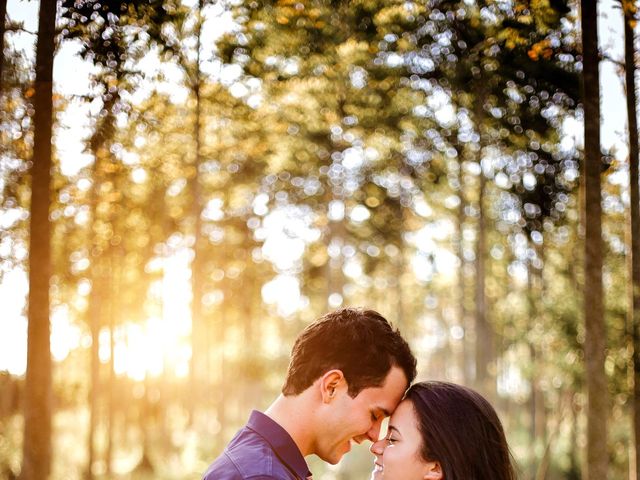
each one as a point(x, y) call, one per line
point(265, 477)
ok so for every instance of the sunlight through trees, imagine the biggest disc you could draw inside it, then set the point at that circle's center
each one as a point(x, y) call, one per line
point(231, 170)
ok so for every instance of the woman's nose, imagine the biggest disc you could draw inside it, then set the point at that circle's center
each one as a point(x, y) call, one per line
point(377, 447)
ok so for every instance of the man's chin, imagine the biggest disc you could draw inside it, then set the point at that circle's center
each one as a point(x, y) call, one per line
point(335, 456)
point(331, 460)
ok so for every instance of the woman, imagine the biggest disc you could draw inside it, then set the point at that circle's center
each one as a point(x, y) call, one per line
point(443, 431)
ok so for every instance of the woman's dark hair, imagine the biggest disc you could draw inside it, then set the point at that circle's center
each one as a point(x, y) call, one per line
point(359, 342)
point(461, 430)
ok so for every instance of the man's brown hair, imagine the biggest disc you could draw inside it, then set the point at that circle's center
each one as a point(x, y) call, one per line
point(360, 343)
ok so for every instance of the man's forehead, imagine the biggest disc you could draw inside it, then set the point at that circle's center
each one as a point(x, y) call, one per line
point(385, 400)
point(387, 396)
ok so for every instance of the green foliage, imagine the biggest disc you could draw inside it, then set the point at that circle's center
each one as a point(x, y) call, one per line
point(380, 130)
point(16, 140)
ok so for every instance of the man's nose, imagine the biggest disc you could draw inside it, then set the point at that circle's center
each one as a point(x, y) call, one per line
point(377, 447)
point(374, 432)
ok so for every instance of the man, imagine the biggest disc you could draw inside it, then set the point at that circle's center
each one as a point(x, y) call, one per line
point(348, 370)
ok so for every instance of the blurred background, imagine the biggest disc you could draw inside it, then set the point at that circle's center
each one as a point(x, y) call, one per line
point(224, 172)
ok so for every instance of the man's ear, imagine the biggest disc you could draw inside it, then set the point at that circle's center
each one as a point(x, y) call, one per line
point(330, 383)
point(434, 471)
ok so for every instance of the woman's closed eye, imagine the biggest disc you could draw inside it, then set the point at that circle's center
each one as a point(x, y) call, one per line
point(391, 440)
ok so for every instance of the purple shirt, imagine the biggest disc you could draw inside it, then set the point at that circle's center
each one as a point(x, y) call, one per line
point(262, 449)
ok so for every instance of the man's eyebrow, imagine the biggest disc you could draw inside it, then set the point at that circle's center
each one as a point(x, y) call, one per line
point(384, 411)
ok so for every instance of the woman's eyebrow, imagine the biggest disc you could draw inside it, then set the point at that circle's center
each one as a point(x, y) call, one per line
point(392, 428)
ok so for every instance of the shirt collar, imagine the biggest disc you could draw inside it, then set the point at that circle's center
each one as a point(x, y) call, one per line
point(280, 441)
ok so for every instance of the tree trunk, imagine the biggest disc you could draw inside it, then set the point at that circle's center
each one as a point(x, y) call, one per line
point(198, 336)
point(538, 427)
point(463, 316)
point(94, 309)
point(484, 336)
point(335, 275)
point(533, 404)
point(220, 365)
point(96, 304)
point(545, 460)
point(252, 388)
point(115, 310)
point(3, 20)
point(574, 464)
point(595, 332)
point(634, 213)
point(485, 343)
point(38, 391)
point(145, 466)
point(399, 268)
point(535, 392)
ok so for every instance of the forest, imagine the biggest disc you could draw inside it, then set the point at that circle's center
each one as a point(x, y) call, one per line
point(186, 184)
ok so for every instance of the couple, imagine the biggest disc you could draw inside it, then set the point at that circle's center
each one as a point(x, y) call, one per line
point(348, 371)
